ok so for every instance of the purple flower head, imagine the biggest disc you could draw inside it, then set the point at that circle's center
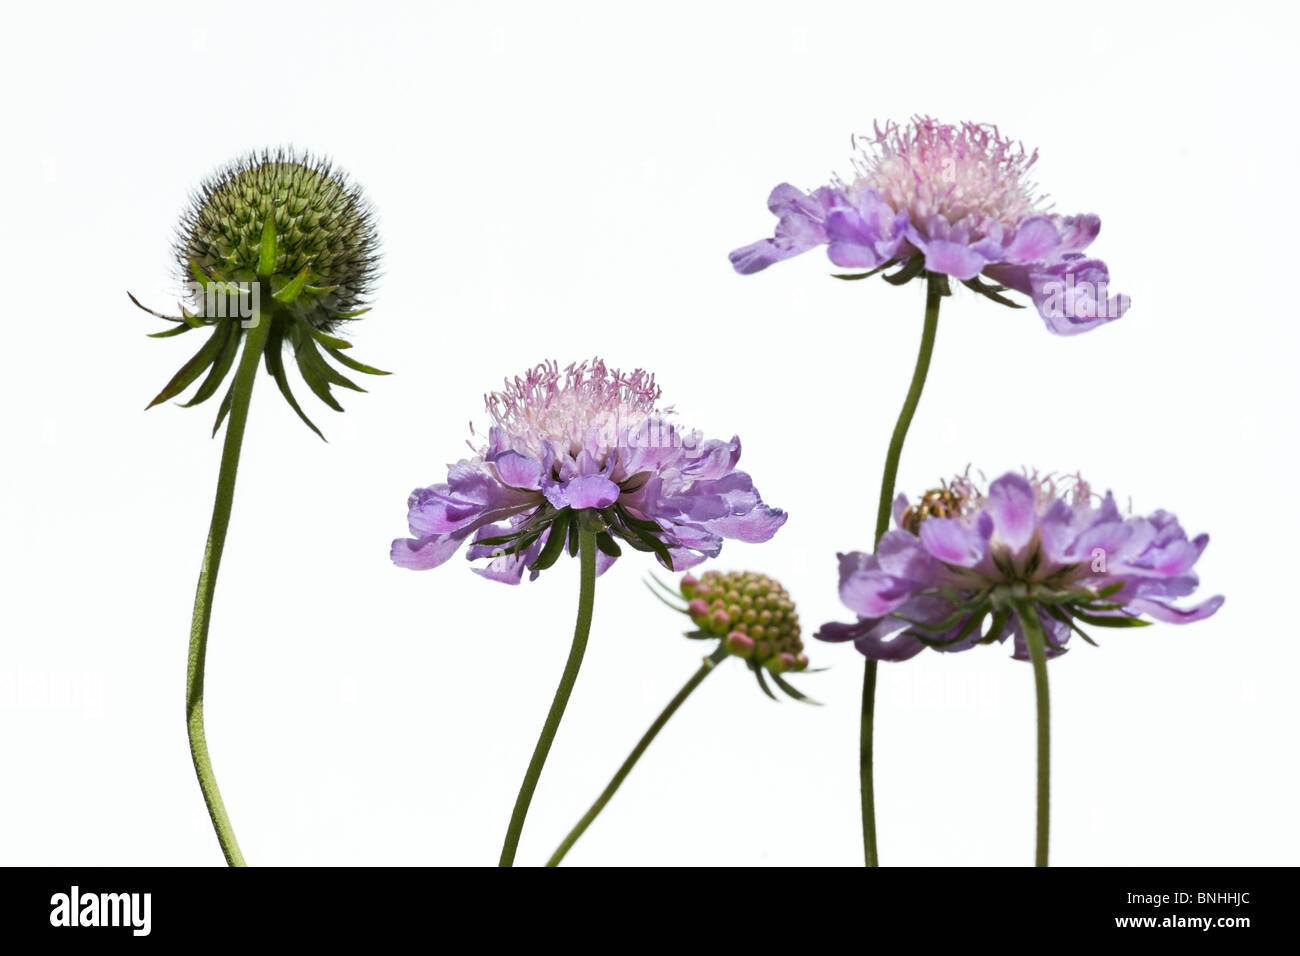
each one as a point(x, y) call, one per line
point(948, 200)
point(584, 444)
point(947, 576)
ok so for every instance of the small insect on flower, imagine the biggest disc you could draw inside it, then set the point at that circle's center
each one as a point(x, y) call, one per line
point(943, 502)
point(949, 576)
point(587, 446)
point(947, 200)
point(282, 238)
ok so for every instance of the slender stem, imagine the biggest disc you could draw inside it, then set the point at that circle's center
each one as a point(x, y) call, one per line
point(866, 765)
point(611, 788)
point(241, 395)
point(1033, 628)
point(936, 288)
point(586, 600)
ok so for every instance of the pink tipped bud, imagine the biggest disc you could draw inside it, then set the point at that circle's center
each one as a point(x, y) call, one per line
point(752, 614)
point(739, 644)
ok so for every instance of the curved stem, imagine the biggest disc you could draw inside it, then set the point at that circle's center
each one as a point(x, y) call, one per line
point(586, 600)
point(688, 688)
point(936, 289)
point(241, 395)
point(1033, 628)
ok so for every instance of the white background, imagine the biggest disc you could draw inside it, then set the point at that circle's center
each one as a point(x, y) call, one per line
point(564, 180)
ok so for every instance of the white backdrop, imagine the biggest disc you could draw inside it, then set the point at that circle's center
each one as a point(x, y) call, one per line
point(564, 180)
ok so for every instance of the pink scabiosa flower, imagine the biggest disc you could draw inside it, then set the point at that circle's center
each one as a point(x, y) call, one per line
point(1032, 559)
point(947, 200)
point(949, 576)
point(579, 460)
point(590, 444)
point(752, 617)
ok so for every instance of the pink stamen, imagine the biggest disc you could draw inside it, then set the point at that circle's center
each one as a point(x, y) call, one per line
point(968, 172)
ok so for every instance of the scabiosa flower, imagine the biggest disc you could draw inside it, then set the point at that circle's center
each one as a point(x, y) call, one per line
point(752, 617)
point(590, 444)
point(278, 248)
point(940, 202)
point(1032, 559)
point(947, 200)
point(579, 460)
point(947, 577)
point(279, 237)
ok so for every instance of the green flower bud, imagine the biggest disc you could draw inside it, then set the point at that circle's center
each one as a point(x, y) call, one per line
point(752, 613)
point(323, 227)
point(752, 618)
point(276, 250)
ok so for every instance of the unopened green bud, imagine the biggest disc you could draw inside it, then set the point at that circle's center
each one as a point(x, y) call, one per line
point(323, 230)
point(752, 613)
point(276, 250)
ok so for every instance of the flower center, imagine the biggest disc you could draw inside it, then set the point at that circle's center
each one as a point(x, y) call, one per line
point(585, 406)
point(960, 172)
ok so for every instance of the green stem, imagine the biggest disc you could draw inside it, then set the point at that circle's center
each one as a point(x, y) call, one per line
point(241, 395)
point(688, 688)
point(586, 600)
point(1032, 626)
point(936, 289)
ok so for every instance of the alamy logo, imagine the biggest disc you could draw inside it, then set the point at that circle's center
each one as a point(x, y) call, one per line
point(102, 909)
point(227, 300)
point(1079, 299)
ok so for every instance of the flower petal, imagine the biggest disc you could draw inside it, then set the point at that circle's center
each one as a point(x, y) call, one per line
point(421, 554)
point(1073, 295)
point(835, 632)
point(755, 527)
point(880, 648)
point(1011, 501)
point(1172, 615)
point(584, 491)
point(519, 471)
point(1035, 240)
point(953, 258)
point(952, 542)
point(875, 593)
point(1077, 232)
point(800, 229)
